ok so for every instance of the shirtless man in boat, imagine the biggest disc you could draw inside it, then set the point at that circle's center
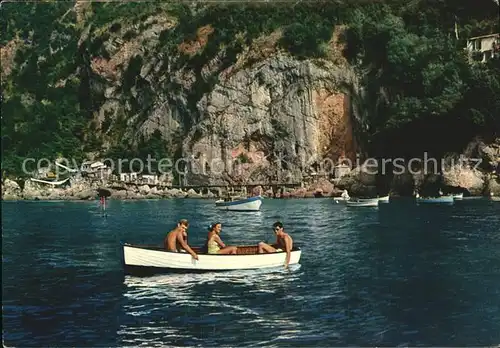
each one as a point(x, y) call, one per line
point(176, 240)
point(283, 242)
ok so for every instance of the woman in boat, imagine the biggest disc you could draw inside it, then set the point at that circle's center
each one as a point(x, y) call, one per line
point(215, 245)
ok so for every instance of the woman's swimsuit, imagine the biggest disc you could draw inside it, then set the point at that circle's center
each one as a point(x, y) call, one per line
point(213, 247)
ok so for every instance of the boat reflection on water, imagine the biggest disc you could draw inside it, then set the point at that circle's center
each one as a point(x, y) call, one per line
point(170, 282)
point(197, 309)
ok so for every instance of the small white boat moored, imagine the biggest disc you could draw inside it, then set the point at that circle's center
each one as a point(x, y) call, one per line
point(152, 259)
point(458, 196)
point(374, 199)
point(363, 203)
point(443, 199)
point(246, 204)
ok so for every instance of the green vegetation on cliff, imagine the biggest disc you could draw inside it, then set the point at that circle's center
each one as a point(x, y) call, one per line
point(40, 108)
point(420, 92)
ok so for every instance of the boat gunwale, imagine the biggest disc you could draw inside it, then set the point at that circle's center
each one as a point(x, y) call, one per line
point(161, 249)
point(369, 204)
point(238, 202)
point(441, 199)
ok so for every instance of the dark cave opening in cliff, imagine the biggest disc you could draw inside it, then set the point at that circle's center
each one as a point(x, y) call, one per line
point(434, 137)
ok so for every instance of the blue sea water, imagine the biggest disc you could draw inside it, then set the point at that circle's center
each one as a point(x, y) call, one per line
point(400, 275)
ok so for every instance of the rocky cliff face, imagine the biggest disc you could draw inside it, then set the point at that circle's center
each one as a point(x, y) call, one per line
point(132, 81)
point(246, 94)
point(279, 111)
point(231, 115)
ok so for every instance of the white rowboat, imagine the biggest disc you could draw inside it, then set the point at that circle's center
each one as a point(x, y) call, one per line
point(155, 259)
point(363, 203)
point(442, 199)
point(458, 196)
point(246, 204)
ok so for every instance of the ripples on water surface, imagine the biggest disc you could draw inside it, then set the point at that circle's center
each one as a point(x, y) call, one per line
point(397, 275)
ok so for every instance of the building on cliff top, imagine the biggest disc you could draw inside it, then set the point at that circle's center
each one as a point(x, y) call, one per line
point(95, 169)
point(485, 47)
point(129, 177)
point(150, 179)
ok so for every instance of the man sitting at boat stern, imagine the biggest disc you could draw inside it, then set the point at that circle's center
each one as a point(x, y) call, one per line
point(176, 240)
point(283, 242)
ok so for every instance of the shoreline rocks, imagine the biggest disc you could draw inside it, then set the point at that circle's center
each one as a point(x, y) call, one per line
point(463, 177)
point(469, 181)
point(11, 190)
point(85, 190)
point(78, 190)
